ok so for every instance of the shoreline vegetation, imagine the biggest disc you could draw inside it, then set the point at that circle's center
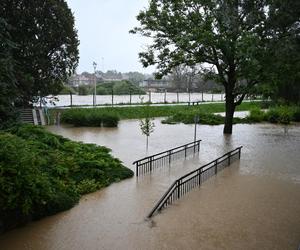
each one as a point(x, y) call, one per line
point(95, 116)
point(122, 87)
point(43, 174)
point(110, 116)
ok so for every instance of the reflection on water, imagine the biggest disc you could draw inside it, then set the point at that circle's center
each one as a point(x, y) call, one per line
point(254, 204)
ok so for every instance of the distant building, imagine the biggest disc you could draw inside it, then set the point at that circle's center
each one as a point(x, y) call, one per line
point(84, 79)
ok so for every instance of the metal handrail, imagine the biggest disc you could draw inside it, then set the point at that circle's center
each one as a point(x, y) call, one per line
point(147, 162)
point(175, 187)
point(167, 151)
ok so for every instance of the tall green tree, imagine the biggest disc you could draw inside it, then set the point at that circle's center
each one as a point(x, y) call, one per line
point(225, 37)
point(46, 50)
point(7, 79)
point(282, 65)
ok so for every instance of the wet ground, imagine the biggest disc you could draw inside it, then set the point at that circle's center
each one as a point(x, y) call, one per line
point(254, 204)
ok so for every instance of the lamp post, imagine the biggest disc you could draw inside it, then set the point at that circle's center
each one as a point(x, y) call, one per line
point(95, 81)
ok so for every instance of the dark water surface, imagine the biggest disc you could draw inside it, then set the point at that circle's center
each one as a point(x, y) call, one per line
point(254, 204)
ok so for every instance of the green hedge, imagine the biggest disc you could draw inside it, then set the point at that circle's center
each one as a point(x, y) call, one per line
point(276, 114)
point(90, 117)
point(43, 173)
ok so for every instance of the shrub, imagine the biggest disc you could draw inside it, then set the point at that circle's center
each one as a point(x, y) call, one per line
point(110, 120)
point(87, 186)
point(83, 90)
point(188, 118)
point(42, 173)
point(296, 115)
point(280, 114)
point(256, 115)
point(90, 117)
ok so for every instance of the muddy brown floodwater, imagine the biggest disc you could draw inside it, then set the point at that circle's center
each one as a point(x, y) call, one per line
point(253, 204)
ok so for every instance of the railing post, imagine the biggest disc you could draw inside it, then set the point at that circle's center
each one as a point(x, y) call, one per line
point(198, 146)
point(229, 155)
point(185, 151)
point(200, 173)
point(178, 189)
point(216, 166)
point(137, 169)
point(170, 153)
point(150, 164)
point(239, 153)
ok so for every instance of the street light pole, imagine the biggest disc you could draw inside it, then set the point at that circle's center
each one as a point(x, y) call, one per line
point(95, 82)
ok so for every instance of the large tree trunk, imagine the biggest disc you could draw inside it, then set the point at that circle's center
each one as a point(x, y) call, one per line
point(230, 107)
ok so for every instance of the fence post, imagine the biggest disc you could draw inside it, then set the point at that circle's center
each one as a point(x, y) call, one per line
point(137, 169)
point(170, 153)
point(239, 153)
point(185, 151)
point(150, 164)
point(198, 146)
point(200, 172)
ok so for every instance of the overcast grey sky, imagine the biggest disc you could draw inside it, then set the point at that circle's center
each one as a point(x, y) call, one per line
point(103, 27)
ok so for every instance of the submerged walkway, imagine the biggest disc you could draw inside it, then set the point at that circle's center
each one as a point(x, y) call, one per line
point(252, 205)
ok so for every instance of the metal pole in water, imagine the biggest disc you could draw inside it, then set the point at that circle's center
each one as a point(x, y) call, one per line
point(196, 120)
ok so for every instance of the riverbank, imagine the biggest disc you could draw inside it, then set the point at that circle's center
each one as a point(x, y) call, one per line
point(43, 174)
point(81, 116)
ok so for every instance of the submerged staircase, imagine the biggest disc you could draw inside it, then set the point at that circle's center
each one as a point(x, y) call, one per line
point(33, 116)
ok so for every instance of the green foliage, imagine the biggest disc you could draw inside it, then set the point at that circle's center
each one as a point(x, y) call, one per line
point(188, 118)
point(256, 115)
point(280, 114)
point(101, 90)
point(67, 90)
point(46, 50)
point(276, 114)
point(42, 173)
point(8, 87)
point(90, 117)
point(79, 116)
point(147, 126)
point(242, 41)
point(296, 116)
point(123, 87)
point(84, 90)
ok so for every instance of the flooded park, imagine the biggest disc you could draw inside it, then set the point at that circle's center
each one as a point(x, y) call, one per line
point(253, 204)
point(154, 97)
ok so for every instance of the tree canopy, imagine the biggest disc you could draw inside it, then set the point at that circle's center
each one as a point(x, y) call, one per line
point(227, 38)
point(46, 46)
point(7, 79)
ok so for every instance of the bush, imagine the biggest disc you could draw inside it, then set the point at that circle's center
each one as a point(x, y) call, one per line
point(188, 118)
point(256, 115)
point(42, 173)
point(90, 117)
point(67, 90)
point(296, 115)
point(280, 114)
point(83, 90)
